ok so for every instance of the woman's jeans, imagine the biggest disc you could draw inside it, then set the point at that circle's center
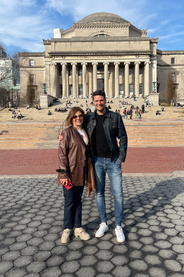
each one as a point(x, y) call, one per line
point(114, 171)
point(73, 207)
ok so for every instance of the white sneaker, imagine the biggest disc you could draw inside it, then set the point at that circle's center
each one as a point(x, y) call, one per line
point(101, 230)
point(119, 234)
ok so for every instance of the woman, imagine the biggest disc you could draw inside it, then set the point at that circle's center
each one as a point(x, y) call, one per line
point(74, 167)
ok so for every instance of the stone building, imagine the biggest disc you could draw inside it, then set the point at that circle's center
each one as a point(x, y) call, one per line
point(9, 79)
point(102, 51)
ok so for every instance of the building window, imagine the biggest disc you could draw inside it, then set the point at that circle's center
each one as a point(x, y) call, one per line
point(121, 89)
point(70, 90)
point(60, 70)
point(61, 89)
point(121, 70)
point(101, 35)
point(7, 63)
point(31, 62)
point(33, 78)
point(80, 70)
point(70, 70)
point(140, 89)
point(100, 68)
point(140, 70)
point(2, 63)
point(80, 90)
point(172, 60)
point(131, 70)
point(173, 77)
point(131, 89)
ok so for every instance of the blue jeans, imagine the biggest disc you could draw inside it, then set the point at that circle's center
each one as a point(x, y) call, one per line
point(113, 169)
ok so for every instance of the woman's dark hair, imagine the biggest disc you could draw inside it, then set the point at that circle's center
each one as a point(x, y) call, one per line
point(71, 114)
point(98, 92)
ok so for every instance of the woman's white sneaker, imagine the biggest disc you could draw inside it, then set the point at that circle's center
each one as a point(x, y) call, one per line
point(101, 230)
point(119, 234)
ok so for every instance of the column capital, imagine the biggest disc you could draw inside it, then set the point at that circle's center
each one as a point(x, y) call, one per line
point(64, 63)
point(153, 62)
point(118, 63)
point(74, 63)
point(136, 62)
point(94, 63)
point(84, 63)
point(105, 63)
point(126, 63)
point(54, 63)
point(147, 62)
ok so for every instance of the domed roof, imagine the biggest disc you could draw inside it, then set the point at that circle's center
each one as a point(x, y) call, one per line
point(102, 17)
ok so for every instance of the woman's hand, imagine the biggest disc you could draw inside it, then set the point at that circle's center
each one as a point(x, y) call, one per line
point(60, 138)
point(64, 181)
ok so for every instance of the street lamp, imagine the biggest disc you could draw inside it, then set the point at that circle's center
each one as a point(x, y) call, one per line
point(154, 86)
point(44, 88)
point(12, 96)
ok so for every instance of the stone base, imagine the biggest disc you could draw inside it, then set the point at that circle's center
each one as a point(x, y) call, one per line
point(154, 98)
point(46, 99)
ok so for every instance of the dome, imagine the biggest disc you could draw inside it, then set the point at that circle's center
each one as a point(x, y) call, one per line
point(102, 17)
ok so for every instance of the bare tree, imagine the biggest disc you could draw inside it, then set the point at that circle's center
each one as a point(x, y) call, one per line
point(170, 88)
point(30, 95)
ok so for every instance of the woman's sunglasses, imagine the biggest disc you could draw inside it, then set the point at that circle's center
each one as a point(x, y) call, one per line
point(77, 116)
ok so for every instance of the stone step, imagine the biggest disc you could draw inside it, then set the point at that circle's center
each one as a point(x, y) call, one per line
point(45, 135)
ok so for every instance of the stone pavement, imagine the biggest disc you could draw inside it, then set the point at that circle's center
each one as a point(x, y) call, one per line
point(31, 216)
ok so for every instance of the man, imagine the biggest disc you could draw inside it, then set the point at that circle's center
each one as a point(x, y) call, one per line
point(104, 127)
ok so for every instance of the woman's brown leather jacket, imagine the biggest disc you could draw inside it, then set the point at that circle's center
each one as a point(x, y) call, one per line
point(72, 154)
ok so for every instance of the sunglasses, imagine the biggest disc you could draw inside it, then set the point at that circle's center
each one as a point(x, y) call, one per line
point(77, 116)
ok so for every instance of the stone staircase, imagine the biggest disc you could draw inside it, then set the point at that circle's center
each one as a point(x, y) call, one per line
point(148, 134)
point(44, 135)
point(29, 135)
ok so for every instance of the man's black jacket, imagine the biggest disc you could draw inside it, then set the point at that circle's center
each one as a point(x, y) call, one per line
point(114, 128)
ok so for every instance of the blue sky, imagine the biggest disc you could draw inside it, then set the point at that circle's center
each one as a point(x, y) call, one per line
point(24, 23)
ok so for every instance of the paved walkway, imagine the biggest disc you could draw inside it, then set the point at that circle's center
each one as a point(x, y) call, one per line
point(31, 219)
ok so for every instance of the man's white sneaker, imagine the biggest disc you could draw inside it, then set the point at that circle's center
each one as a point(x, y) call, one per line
point(119, 234)
point(101, 230)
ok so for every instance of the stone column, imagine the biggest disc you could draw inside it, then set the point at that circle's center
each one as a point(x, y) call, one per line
point(126, 82)
point(106, 78)
point(117, 78)
point(54, 80)
point(84, 79)
point(74, 89)
point(136, 78)
point(64, 78)
point(154, 75)
point(146, 79)
point(94, 76)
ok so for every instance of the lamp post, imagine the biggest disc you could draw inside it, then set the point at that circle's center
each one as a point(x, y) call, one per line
point(12, 96)
point(44, 88)
point(154, 86)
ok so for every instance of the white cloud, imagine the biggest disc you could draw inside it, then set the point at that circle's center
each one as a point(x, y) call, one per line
point(170, 36)
point(130, 10)
point(151, 31)
point(24, 24)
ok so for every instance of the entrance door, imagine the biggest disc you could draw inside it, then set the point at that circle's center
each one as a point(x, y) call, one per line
point(100, 84)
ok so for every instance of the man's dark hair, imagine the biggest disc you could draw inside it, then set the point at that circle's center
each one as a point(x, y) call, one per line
point(98, 92)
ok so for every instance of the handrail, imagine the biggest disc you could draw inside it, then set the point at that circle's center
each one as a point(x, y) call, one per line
point(61, 127)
